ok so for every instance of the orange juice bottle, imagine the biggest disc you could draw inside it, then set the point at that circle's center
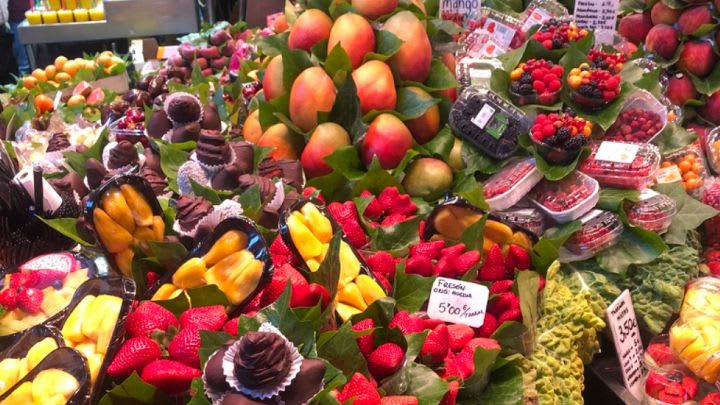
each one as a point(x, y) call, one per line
point(50, 17)
point(33, 17)
point(65, 16)
point(81, 14)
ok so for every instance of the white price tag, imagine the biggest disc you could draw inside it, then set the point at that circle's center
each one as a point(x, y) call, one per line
point(482, 117)
point(629, 347)
point(458, 302)
point(597, 15)
point(669, 174)
point(617, 152)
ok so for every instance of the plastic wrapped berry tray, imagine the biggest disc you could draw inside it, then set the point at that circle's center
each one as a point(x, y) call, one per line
point(622, 165)
point(600, 230)
point(529, 218)
point(653, 212)
point(641, 119)
point(568, 199)
point(508, 186)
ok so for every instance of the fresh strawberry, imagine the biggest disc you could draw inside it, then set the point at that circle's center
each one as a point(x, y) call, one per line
point(445, 267)
point(383, 263)
point(384, 283)
point(23, 279)
point(459, 336)
point(185, 347)
point(419, 265)
point(451, 396)
point(510, 315)
point(714, 268)
point(399, 400)
point(148, 317)
point(395, 203)
point(341, 212)
point(503, 302)
point(711, 399)
point(208, 318)
point(406, 323)
point(466, 261)
point(393, 219)
point(501, 286)
point(231, 326)
point(429, 323)
point(9, 298)
point(430, 250)
point(488, 327)
point(385, 360)
point(421, 229)
point(453, 251)
point(465, 362)
point(485, 343)
point(517, 258)
point(134, 354)
point(436, 345)
point(361, 389)
point(450, 368)
point(365, 343)
point(30, 300)
point(254, 304)
point(355, 234)
point(351, 210)
point(690, 386)
point(315, 293)
point(170, 377)
point(312, 192)
point(375, 209)
point(494, 267)
point(151, 278)
point(541, 283)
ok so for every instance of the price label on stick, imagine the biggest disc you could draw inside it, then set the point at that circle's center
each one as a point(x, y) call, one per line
point(629, 347)
point(458, 302)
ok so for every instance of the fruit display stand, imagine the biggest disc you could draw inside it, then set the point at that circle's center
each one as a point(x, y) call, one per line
point(123, 19)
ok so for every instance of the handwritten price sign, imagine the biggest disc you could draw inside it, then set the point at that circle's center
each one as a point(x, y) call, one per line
point(629, 347)
point(458, 302)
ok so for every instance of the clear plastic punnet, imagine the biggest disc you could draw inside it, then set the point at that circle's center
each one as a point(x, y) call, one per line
point(696, 341)
point(600, 230)
point(702, 297)
point(672, 386)
point(622, 165)
point(568, 199)
point(642, 118)
point(653, 212)
point(712, 149)
point(508, 186)
point(529, 218)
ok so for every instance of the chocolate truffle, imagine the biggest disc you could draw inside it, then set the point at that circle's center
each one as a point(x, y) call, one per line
point(185, 133)
point(211, 117)
point(158, 183)
point(152, 160)
point(306, 384)
point(123, 154)
point(190, 210)
point(159, 124)
point(212, 148)
point(58, 142)
point(262, 360)
point(227, 178)
point(244, 156)
point(95, 172)
point(266, 185)
point(214, 376)
point(289, 170)
point(183, 108)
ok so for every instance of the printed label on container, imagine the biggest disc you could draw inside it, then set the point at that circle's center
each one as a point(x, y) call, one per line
point(459, 10)
point(458, 302)
point(628, 345)
point(502, 34)
point(484, 116)
point(669, 174)
point(617, 152)
point(599, 16)
point(537, 16)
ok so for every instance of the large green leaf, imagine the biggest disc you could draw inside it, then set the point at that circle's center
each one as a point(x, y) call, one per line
point(424, 384)
point(611, 199)
point(328, 274)
point(133, 391)
point(506, 387)
point(386, 45)
point(528, 283)
point(440, 78)
point(337, 60)
point(345, 160)
point(346, 111)
point(340, 348)
point(546, 251)
point(410, 105)
point(66, 227)
point(636, 246)
point(411, 291)
point(690, 212)
point(473, 235)
point(474, 385)
point(673, 138)
point(397, 238)
point(375, 180)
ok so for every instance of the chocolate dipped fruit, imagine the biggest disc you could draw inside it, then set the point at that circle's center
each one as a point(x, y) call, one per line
point(125, 215)
point(234, 257)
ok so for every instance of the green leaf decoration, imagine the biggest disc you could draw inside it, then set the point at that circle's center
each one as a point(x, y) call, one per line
point(328, 274)
point(133, 391)
point(514, 337)
point(346, 161)
point(386, 45)
point(528, 283)
point(169, 254)
point(76, 160)
point(474, 386)
point(636, 246)
point(673, 138)
point(251, 202)
point(473, 235)
point(691, 213)
point(197, 389)
point(709, 84)
point(440, 146)
point(551, 172)
point(424, 384)
point(471, 190)
point(210, 342)
point(411, 291)
point(375, 180)
point(206, 296)
point(410, 105)
point(476, 161)
point(545, 252)
point(397, 238)
point(322, 5)
point(294, 62)
point(205, 192)
point(337, 60)
point(397, 383)
point(66, 227)
point(335, 187)
point(170, 161)
point(273, 45)
point(337, 9)
point(341, 350)
point(346, 111)
point(506, 387)
point(612, 199)
point(440, 78)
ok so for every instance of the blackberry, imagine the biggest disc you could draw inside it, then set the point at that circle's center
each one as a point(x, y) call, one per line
point(597, 93)
point(602, 64)
point(526, 78)
point(526, 89)
point(586, 90)
point(575, 143)
point(563, 134)
point(515, 86)
point(557, 44)
point(571, 113)
point(553, 140)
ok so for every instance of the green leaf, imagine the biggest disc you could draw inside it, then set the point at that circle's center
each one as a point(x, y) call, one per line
point(211, 341)
point(251, 202)
point(411, 291)
point(528, 283)
point(473, 235)
point(441, 145)
point(709, 84)
point(198, 397)
point(66, 227)
point(76, 161)
point(205, 192)
point(506, 387)
point(673, 138)
point(474, 386)
point(346, 111)
point(477, 161)
point(440, 78)
point(337, 60)
point(133, 391)
point(375, 180)
point(294, 62)
point(169, 254)
point(397, 238)
point(514, 337)
point(334, 186)
point(690, 212)
point(328, 274)
point(545, 252)
point(424, 384)
point(346, 161)
point(273, 45)
point(551, 172)
point(412, 105)
point(611, 199)
point(636, 246)
point(341, 350)
point(472, 191)
point(386, 45)
point(176, 305)
point(206, 296)
point(170, 160)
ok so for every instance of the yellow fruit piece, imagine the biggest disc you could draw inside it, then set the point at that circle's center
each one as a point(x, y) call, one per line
point(22, 395)
point(49, 383)
point(39, 351)
point(349, 264)
point(113, 236)
point(24, 368)
point(313, 265)
point(158, 227)
point(55, 400)
point(87, 348)
point(523, 240)
point(370, 289)
point(191, 274)
point(497, 232)
point(351, 295)
point(452, 221)
point(318, 224)
point(220, 272)
point(107, 324)
point(114, 204)
point(98, 310)
point(176, 293)
point(305, 242)
point(95, 361)
point(300, 217)
point(164, 292)
point(229, 243)
point(323, 254)
point(53, 302)
point(144, 233)
point(72, 329)
point(681, 336)
point(141, 211)
point(346, 311)
point(123, 261)
point(244, 281)
point(9, 374)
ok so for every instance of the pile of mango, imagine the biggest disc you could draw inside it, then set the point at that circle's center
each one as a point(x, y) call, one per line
point(13, 370)
point(49, 387)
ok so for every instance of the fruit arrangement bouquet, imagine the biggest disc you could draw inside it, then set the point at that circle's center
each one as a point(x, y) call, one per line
point(593, 88)
point(536, 82)
point(559, 138)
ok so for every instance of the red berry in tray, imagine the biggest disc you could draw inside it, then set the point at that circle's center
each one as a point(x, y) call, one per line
point(536, 81)
point(634, 125)
point(563, 130)
point(554, 34)
point(612, 62)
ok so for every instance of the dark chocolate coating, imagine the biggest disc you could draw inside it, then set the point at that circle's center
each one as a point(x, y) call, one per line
point(185, 133)
point(59, 141)
point(289, 170)
point(262, 360)
point(184, 108)
point(95, 172)
point(267, 187)
point(71, 181)
point(214, 376)
point(152, 160)
point(244, 156)
point(306, 384)
point(242, 399)
point(157, 181)
point(123, 154)
point(227, 178)
point(212, 148)
point(159, 124)
point(211, 117)
point(191, 209)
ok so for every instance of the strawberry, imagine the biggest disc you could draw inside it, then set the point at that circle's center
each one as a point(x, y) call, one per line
point(500, 287)
point(510, 315)
point(384, 283)
point(517, 258)
point(465, 362)
point(340, 212)
point(494, 268)
point(485, 343)
point(231, 326)
point(419, 265)
point(254, 304)
point(714, 268)
point(134, 354)
point(450, 368)
point(661, 353)
point(185, 347)
point(488, 327)
point(209, 318)
point(361, 389)
point(30, 300)
point(430, 250)
point(151, 278)
point(451, 396)
point(445, 267)
point(385, 360)
point(453, 251)
point(459, 336)
point(9, 298)
point(421, 229)
point(390, 200)
point(366, 343)
point(406, 323)
point(169, 376)
point(711, 399)
point(431, 324)
point(355, 234)
point(23, 279)
point(466, 261)
point(399, 400)
point(393, 219)
point(148, 317)
point(374, 209)
point(503, 303)
point(436, 345)
point(315, 293)
point(312, 192)
point(278, 247)
point(351, 210)
point(382, 262)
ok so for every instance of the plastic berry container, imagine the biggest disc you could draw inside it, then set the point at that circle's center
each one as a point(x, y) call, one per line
point(663, 387)
point(508, 186)
point(600, 230)
point(712, 149)
point(529, 218)
point(642, 118)
point(488, 122)
point(560, 138)
point(496, 34)
point(536, 81)
point(475, 72)
point(622, 165)
point(653, 212)
point(539, 11)
point(659, 356)
point(696, 342)
point(702, 298)
point(692, 168)
point(568, 199)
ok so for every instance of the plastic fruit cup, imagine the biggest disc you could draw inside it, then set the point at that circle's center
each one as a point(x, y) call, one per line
point(33, 17)
point(81, 14)
point(97, 14)
point(555, 156)
point(589, 103)
point(548, 98)
point(65, 16)
point(50, 17)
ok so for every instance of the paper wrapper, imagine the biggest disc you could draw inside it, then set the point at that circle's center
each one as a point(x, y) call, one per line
point(278, 198)
point(227, 209)
point(191, 170)
point(228, 366)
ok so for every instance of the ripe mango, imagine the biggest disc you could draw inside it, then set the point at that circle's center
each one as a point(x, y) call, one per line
point(123, 260)
point(349, 264)
point(346, 311)
point(229, 243)
point(164, 292)
point(107, 324)
point(245, 281)
point(72, 329)
point(158, 227)
point(191, 274)
point(141, 211)
point(305, 242)
point(113, 236)
point(98, 310)
point(351, 295)
point(318, 224)
point(222, 271)
point(22, 395)
point(370, 289)
point(114, 204)
point(39, 351)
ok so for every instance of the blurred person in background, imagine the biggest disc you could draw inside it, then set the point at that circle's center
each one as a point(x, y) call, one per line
point(7, 64)
point(16, 12)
